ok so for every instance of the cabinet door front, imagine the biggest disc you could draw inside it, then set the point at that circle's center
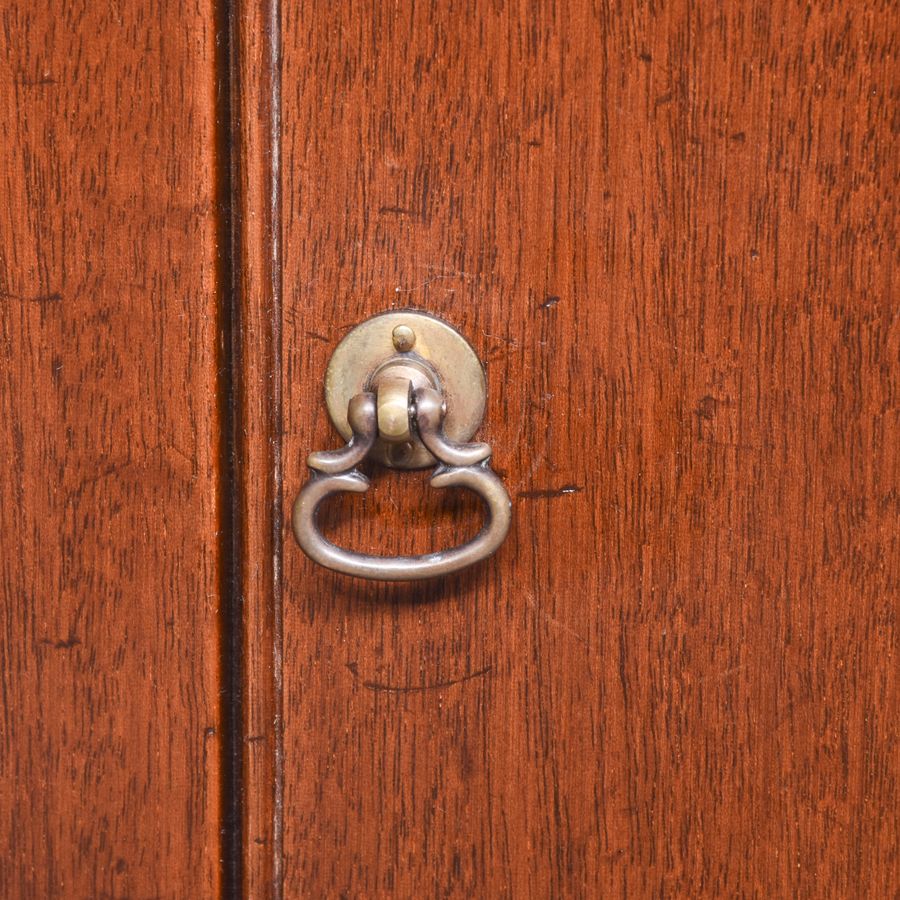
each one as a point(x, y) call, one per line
point(666, 232)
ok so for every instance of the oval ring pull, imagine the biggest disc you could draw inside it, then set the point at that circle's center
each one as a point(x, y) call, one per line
point(460, 465)
point(405, 385)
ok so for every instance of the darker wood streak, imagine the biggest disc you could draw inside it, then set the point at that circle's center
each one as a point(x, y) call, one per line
point(254, 83)
point(229, 396)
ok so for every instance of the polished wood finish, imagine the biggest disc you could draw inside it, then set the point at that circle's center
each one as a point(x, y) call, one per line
point(253, 79)
point(110, 441)
point(668, 229)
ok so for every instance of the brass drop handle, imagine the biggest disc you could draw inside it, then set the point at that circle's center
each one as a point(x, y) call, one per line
point(400, 412)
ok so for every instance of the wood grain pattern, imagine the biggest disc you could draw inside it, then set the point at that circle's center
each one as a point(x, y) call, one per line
point(254, 87)
point(109, 435)
point(669, 231)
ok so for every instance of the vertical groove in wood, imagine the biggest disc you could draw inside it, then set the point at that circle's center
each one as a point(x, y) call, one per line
point(254, 79)
point(230, 536)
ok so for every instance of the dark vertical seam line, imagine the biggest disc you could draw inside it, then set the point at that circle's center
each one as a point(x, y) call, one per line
point(230, 618)
point(276, 432)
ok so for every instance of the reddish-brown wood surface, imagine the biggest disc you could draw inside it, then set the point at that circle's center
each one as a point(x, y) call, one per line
point(668, 229)
point(109, 438)
point(254, 79)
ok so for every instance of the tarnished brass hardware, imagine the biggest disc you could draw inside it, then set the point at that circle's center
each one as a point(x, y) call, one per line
point(414, 345)
point(393, 384)
point(401, 416)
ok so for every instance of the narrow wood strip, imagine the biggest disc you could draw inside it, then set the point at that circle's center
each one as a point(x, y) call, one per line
point(254, 84)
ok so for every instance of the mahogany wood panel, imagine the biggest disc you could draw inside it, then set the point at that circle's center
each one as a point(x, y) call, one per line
point(668, 229)
point(109, 437)
point(253, 80)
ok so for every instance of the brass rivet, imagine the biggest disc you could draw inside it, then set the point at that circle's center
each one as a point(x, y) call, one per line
point(404, 338)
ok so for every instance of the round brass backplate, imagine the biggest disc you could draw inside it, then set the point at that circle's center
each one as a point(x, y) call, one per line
point(417, 338)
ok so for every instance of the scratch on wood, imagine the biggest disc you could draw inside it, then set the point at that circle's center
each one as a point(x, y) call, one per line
point(550, 493)
point(24, 80)
point(424, 284)
point(396, 210)
point(415, 688)
point(554, 622)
